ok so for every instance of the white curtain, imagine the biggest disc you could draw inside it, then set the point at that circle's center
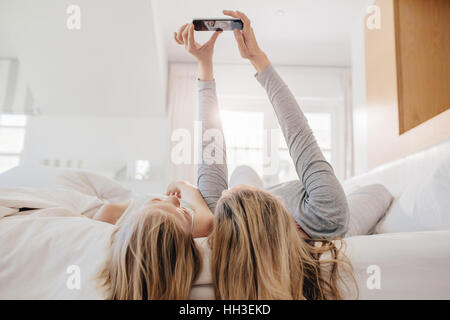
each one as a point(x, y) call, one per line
point(182, 112)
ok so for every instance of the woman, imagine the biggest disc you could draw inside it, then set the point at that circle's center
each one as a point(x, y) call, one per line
point(258, 250)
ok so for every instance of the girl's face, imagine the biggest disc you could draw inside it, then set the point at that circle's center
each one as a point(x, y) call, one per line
point(171, 206)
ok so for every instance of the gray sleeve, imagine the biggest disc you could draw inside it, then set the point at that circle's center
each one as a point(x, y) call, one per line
point(212, 170)
point(323, 210)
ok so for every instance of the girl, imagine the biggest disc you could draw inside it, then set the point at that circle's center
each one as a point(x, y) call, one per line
point(153, 254)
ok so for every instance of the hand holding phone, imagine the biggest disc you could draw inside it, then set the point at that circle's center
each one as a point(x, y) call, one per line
point(217, 24)
point(202, 52)
point(246, 40)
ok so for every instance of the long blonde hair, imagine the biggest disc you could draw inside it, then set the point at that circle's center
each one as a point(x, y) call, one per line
point(151, 258)
point(258, 253)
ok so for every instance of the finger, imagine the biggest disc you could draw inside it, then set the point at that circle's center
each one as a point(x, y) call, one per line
point(180, 32)
point(230, 13)
point(175, 36)
point(243, 50)
point(245, 20)
point(191, 39)
point(185, 36)
point(240, 39)
point(214, 37)
point(243, 17)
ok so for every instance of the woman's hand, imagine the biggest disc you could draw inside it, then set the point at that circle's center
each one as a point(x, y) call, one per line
point(247, 44)
point(203, 53)
point(175, 188)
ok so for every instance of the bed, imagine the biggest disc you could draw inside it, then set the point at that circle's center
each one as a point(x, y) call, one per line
point(59, 257)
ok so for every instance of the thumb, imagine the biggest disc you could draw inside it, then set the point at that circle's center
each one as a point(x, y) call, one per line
point(214, 37)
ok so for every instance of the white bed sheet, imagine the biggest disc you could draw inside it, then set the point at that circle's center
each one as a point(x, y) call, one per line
point(36, 252)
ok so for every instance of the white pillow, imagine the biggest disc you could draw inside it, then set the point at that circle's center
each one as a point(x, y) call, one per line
point(424, 205)
point(367, 205)
point(86, 182)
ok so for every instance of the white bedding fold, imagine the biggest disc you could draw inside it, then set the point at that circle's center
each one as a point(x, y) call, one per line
point(78, 192)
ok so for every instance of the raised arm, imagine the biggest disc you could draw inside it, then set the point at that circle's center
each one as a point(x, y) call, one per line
point(323, 208)
point(212, 171)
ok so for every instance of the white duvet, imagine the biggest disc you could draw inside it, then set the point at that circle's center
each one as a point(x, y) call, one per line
point(58, 255)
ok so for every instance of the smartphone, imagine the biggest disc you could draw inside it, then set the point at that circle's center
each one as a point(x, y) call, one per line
point(217, 24)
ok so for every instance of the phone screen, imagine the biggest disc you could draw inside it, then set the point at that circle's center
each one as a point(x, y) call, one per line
point(217, 24)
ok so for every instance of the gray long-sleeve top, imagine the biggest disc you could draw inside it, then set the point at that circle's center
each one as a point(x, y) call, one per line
point(316, 201)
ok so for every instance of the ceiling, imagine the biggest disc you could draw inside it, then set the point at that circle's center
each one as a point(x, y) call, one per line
point(111, 66)
point(292, 32)
point(116, 64)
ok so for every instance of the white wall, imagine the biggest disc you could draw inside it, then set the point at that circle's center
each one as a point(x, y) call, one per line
point(100, 90)
point(360, 129)
point(113, 65)
point(103, 141)
point(305, 82)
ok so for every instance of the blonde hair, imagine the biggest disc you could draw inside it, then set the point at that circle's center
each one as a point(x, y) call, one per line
point(258, 253)
point(151, 258)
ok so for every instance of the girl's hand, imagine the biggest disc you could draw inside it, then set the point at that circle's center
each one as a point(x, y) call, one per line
point(186, 191)
point(247, 44)
point(203, 218)
point(203, 53)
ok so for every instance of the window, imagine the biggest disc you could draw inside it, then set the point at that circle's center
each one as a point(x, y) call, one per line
point(12, 136)
point(254, 137)
point(243, 133)
point(321, 125)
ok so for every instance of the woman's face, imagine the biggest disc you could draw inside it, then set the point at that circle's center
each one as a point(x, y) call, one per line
point(171, 206)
